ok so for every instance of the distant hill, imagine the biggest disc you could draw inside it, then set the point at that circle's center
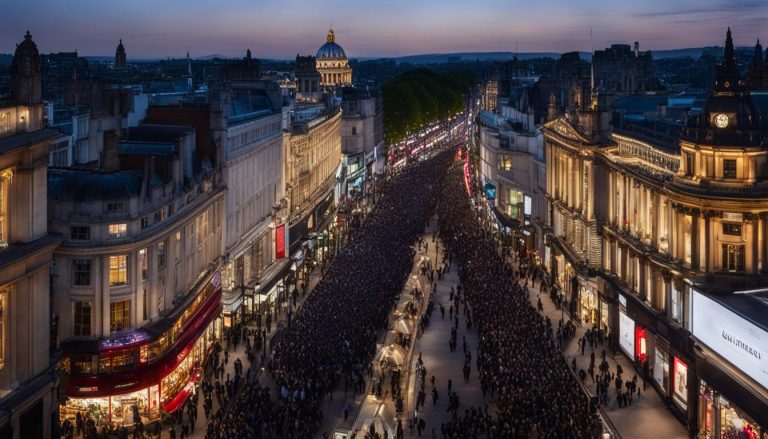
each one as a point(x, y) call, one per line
point(433, 58)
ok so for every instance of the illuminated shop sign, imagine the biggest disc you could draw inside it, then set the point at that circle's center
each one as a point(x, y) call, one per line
point(734, 338)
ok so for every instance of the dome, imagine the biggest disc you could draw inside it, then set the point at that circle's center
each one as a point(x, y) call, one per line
point(330, 50)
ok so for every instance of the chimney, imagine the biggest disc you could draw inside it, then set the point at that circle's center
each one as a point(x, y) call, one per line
point(637, 49)
point(109, 159)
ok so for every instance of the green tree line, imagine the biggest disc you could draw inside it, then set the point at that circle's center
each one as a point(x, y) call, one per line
point(418, 97)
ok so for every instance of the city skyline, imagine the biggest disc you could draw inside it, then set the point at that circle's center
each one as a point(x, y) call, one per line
point(282, 29)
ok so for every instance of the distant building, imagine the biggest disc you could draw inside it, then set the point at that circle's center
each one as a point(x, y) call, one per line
point(757, 77)
point(120, 57)
point(624, 70)
point(308, 79)
point(28, 382)
point(332, 63)
point(362, 137)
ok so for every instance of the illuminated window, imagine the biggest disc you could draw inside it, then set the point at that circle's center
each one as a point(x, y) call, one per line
point(5, 122)
point(3, 313)
point(677, 304)
point(81, 272)
point(119, 315)
point(118, 270)
point(505, 163)
point(81, 318)
point(733, 257)
point(159, 215)
point(5, 177)
point(118, 230)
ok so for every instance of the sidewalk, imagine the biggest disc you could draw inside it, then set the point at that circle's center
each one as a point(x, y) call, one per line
point(648, 416)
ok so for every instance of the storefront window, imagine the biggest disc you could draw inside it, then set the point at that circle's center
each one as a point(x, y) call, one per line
point(706, 411)
point(588, 299)
point(661, 369)
point(640, 345)
point(734, 424)
point(681, 383)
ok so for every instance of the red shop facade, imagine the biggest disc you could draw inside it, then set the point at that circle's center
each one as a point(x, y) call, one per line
point(146, 372)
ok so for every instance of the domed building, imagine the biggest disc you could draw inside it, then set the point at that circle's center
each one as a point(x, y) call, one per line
point(332, 63)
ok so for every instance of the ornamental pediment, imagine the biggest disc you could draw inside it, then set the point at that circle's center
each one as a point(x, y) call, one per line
point(565, 129)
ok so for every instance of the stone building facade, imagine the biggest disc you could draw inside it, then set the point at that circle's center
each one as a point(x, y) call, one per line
point(28, 382)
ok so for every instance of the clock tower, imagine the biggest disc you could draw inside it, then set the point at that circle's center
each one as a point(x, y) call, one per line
point(726, 140)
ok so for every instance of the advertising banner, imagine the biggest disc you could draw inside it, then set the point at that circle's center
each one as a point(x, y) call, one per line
point(627, 334)
point(280, 242)
point(732, 337)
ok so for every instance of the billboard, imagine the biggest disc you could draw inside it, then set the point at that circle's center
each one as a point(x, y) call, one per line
point(627, 334)
point(732, 337)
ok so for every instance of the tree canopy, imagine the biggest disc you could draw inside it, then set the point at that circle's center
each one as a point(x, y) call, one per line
point(421, 96)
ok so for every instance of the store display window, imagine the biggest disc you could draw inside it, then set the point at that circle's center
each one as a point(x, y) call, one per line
point(734, 424)
point(680, 383)
point(640, 345)
point(661, 369)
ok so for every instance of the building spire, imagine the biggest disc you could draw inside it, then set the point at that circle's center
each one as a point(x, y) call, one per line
point(331, 38)
point(729, 55)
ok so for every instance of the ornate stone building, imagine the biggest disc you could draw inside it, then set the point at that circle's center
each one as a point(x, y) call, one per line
point(28, 383)
point(662, 245)
point(624, 70)
point(137, 281)
point(308, 79)
point(332, 63)
point(312, 161)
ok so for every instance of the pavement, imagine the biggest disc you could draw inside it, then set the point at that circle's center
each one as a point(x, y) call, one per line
point(648, 416)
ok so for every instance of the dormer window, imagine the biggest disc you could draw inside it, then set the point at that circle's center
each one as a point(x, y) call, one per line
point(117, 206)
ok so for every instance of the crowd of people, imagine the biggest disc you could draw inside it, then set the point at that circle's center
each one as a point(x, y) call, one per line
point(519, 360)
point(332, 338)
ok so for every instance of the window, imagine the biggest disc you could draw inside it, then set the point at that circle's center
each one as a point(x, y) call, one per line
point(505, 163)
point(688, 164)
point(733, 257)
point(81, 317)
point(3, 313)
point(354, 131)
point(80, 233)
point(117, 206)
point(144, 222)
point(4, 191)
point(177, 246)
point(5, 122)
point(676, 310)
point(729, 168)
point(144, 304)
point(161, 253)
point(118, 270)
point(57, 154)
point(118, 230)
point(143, 263)
point(119, 315)
point(732, 229)
point(159, 215)
point(81, 272)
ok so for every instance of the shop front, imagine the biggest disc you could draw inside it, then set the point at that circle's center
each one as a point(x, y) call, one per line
point(732, 370)
point(145, 373)
point(588, 303)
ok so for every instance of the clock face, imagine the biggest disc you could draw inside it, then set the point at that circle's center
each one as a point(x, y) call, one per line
point(721, 120)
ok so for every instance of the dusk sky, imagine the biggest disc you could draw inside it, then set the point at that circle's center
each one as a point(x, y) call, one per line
point(283, 28)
